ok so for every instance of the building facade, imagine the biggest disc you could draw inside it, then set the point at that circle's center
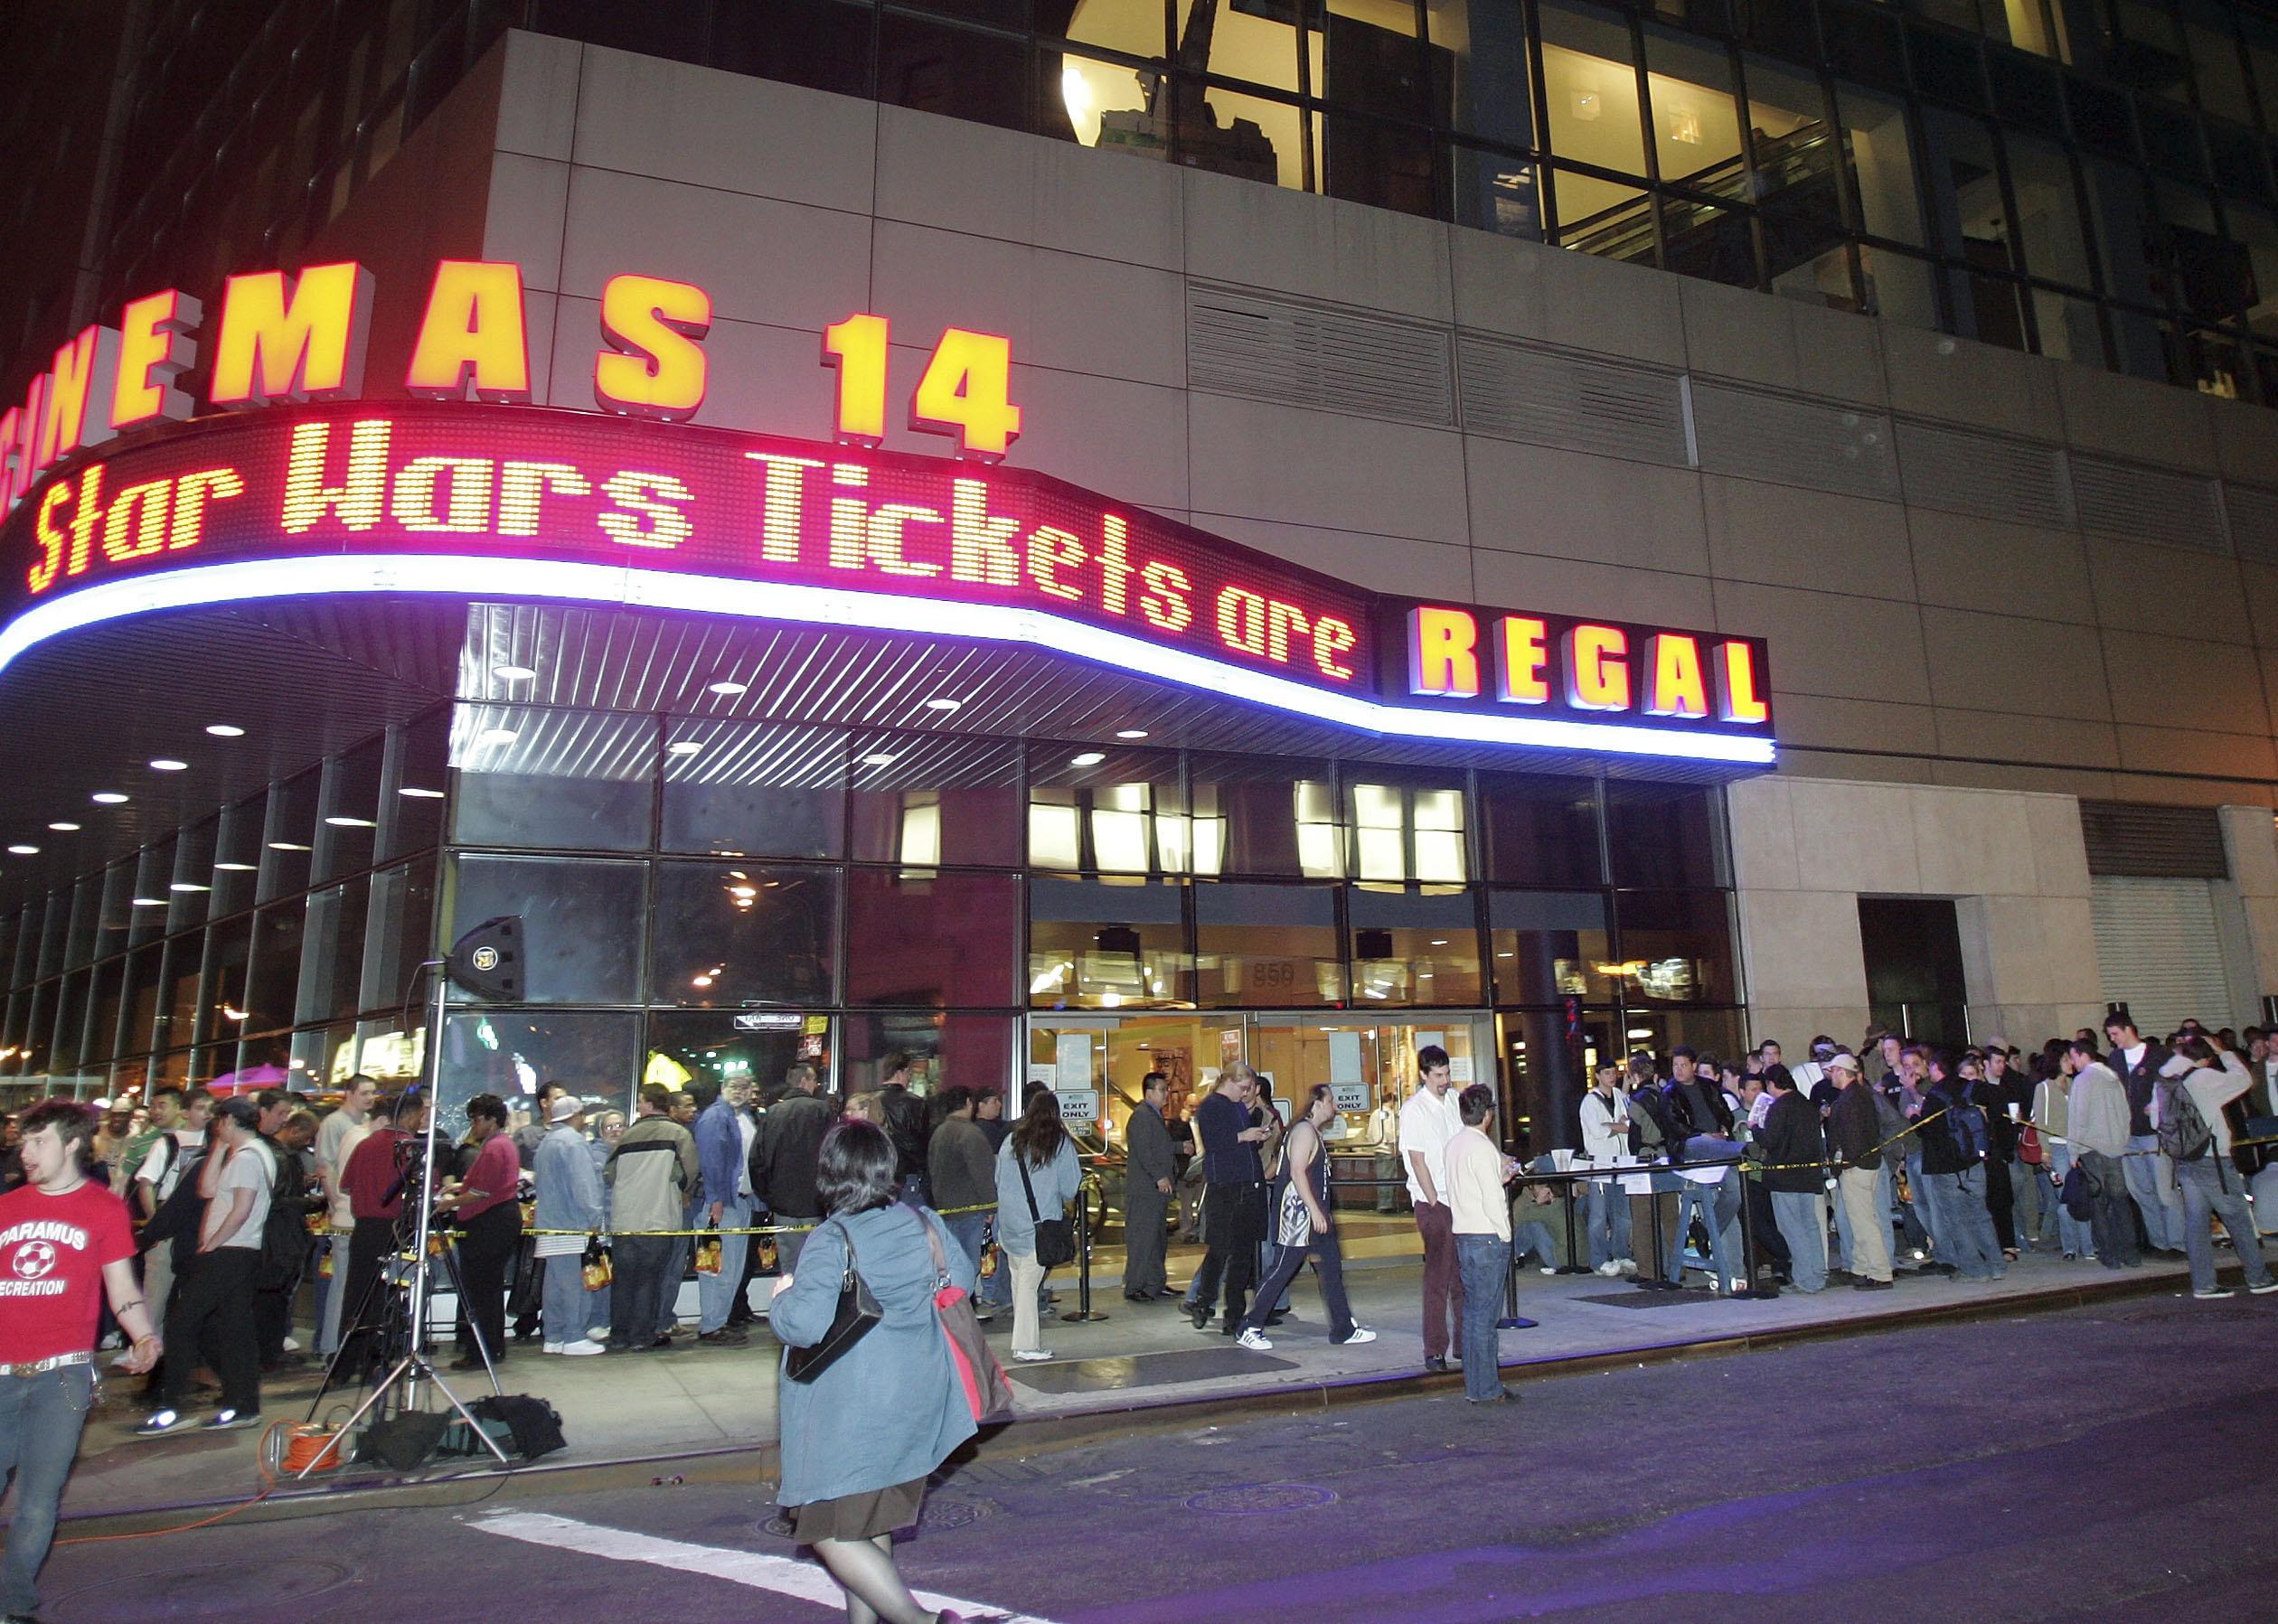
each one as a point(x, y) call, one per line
point(2011, 600)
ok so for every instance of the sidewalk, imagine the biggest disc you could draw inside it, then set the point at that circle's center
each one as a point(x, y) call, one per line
point(698, 1402)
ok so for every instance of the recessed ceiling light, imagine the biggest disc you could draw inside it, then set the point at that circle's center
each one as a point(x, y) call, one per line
point(150, 902)
point(513, 673)
point(64, 828)
point(1131, 733)
point(225, 731)
point(343, 822)
point(108, 798)
point(167, 764)
point(183, 885)
point(287, 846)
point(1439, 941)
point(235, 867)
point(417, 793)
point(943, 704)
point(879, 759)
point(1089, 758)
point(496, 736)
point(730, 688)
point(682, 746)
point(25, 850)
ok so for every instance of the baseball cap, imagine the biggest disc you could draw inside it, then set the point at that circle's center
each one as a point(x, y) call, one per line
point(1843, 1060)
point(564, 1108)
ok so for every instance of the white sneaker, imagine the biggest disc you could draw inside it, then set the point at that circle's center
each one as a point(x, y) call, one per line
point(292, 1344)
point(598, 1333)
point(577, 1349)
point(1255, 1340)
point(1548, 1270)
point(1610, 1269)
point(1036, 1355)
point(1628, 1265)
point(1360, 1333)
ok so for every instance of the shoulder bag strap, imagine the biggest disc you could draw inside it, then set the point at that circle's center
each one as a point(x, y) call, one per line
point(933, 1243)
point(1022, 1162)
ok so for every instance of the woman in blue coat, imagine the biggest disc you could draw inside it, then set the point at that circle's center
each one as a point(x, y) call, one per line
point(859, 1440)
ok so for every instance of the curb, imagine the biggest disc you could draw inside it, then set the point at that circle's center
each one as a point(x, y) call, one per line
point(755, 1463)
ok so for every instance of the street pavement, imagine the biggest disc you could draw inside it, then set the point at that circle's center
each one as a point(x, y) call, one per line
point(2110, 1463)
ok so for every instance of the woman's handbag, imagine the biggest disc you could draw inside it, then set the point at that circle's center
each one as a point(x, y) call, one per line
point(857, 1311)
point(1055, 1239)
point(2080, 1192)
point(988, 1395)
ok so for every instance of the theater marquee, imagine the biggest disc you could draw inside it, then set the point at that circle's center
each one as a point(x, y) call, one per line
point(158, 509)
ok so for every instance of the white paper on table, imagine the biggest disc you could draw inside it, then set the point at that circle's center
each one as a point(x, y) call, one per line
point(1711, 1174)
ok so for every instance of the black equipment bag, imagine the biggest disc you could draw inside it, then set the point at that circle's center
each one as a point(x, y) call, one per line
point(536, 1424)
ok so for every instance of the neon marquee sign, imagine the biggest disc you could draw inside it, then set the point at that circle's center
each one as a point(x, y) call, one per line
point(116, 504)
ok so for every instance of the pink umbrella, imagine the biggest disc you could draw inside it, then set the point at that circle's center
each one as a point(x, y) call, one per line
point(247, 1081)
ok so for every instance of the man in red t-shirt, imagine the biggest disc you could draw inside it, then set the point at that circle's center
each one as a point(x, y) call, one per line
point(64, 1239)
point(373, 1181)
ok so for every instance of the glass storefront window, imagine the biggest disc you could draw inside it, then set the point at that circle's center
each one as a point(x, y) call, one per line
point(114, 925)
point(273, 988)
point(970, 1051)
point(1257, 815)
point(1107, 812)
point(222, 995)
point(141, 995)
point(1407, 828)
point(1549, 946)
point(348, 833)
point(1540, 830)
point(289, 837)
point(921, 800)
point(1664, 835)
point(717, 1046)
point(332, 956)
point(237, 856)
point(927, 937)
point(742, 789)
point(521, 776)
point(1106, 944)
point(1266, 945)
point(745, 933)
point(1416, 944)
point(417, 781)
point(1675, 947)
point(513, 1053)
point(581, 921)
point(190, 890)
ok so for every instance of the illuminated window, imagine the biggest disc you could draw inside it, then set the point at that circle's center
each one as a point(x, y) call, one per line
point(1404, 832)
point(1413, 945)
point(1109, 944)
point(1109, 812)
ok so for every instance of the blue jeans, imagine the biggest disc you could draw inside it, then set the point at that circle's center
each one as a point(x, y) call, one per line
point(1719, 1205)
point(40, 1420)
point(966, 1229)
point(2152, 1189)
point(1964, 1226)
point(570, 1311)
point(1534, 1235)
point(716, 1293)
point(1606, 1221)
point(2214, 1189)
point(1802, 1215)
point(1924, 1204)
point(1485, 1263)
point(2073, 1238)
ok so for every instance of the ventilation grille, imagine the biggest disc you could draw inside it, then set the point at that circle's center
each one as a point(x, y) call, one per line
point(2254, 522)
point(2143, 504)
point(2170, 843)
point(1966, 473)
point(1267, 349)
point(1549, 398)
point(1795, 442)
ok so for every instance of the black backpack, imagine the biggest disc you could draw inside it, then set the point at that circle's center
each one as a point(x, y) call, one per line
point(2184, 1134)
point(181, 1212)
point(285, 1232)
point(1965, 1125)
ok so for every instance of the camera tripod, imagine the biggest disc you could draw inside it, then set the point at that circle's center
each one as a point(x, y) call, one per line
point(404, 1306)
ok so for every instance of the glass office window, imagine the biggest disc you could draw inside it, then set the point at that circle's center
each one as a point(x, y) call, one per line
point(1266, 945)
point(513, 1053)
point(1480, 45)
point(927, 937)
point(1881, 152)
point(1413, 945)
point(2048, 211)
point(524, 775)
point(958, 72)
point(581, 921)
point(754, 789)
point(2216, 64)
point(745, 933)
point(1263, 815)
point(1675, 946)
point(1549, 946)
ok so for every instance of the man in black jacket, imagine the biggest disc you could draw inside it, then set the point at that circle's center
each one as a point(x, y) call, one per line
point(906, 1125)
point(1794, 1150)
point(2150, 1175)
point(1952, 1133)
point(1854, 1133)
point(1149, 1165)
point(784, 1153)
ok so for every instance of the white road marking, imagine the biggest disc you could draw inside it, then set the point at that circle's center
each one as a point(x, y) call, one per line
point(801, 1580)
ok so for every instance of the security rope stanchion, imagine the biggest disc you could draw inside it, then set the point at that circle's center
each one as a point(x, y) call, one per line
point(1085, 1312)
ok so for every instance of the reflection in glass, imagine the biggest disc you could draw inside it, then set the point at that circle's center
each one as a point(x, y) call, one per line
point(1549, 946)
point(922, 798)
point(581, 921)
point(1676, 946)
point(744, 934)
point(514, 1053)
point(1590, 98)
point(522, 775)
point(753, 789)
point(971, 1051)
point(1102, 944)
point(1254, 815)
point(1266, 945)
point(1664, 834)
point(1108, 811)
point(687, 1047)
point(1881, 157)
point(923, 938)
point(1416, 944)
point(2047, 210)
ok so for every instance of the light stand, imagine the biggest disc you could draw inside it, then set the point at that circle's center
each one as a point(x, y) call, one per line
point(487, 959)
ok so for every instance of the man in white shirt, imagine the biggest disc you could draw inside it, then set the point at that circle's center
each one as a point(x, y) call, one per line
point(1480, 1215)
point(1606, 1143)
point(336, 1140)
point(212, 1313)
point(1427, 1122)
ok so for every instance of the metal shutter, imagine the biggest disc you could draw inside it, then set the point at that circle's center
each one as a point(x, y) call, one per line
point(2148, 504)
point(1515, 392)
point(1792, 441)
point(2158, 950)
point(1967, 472)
